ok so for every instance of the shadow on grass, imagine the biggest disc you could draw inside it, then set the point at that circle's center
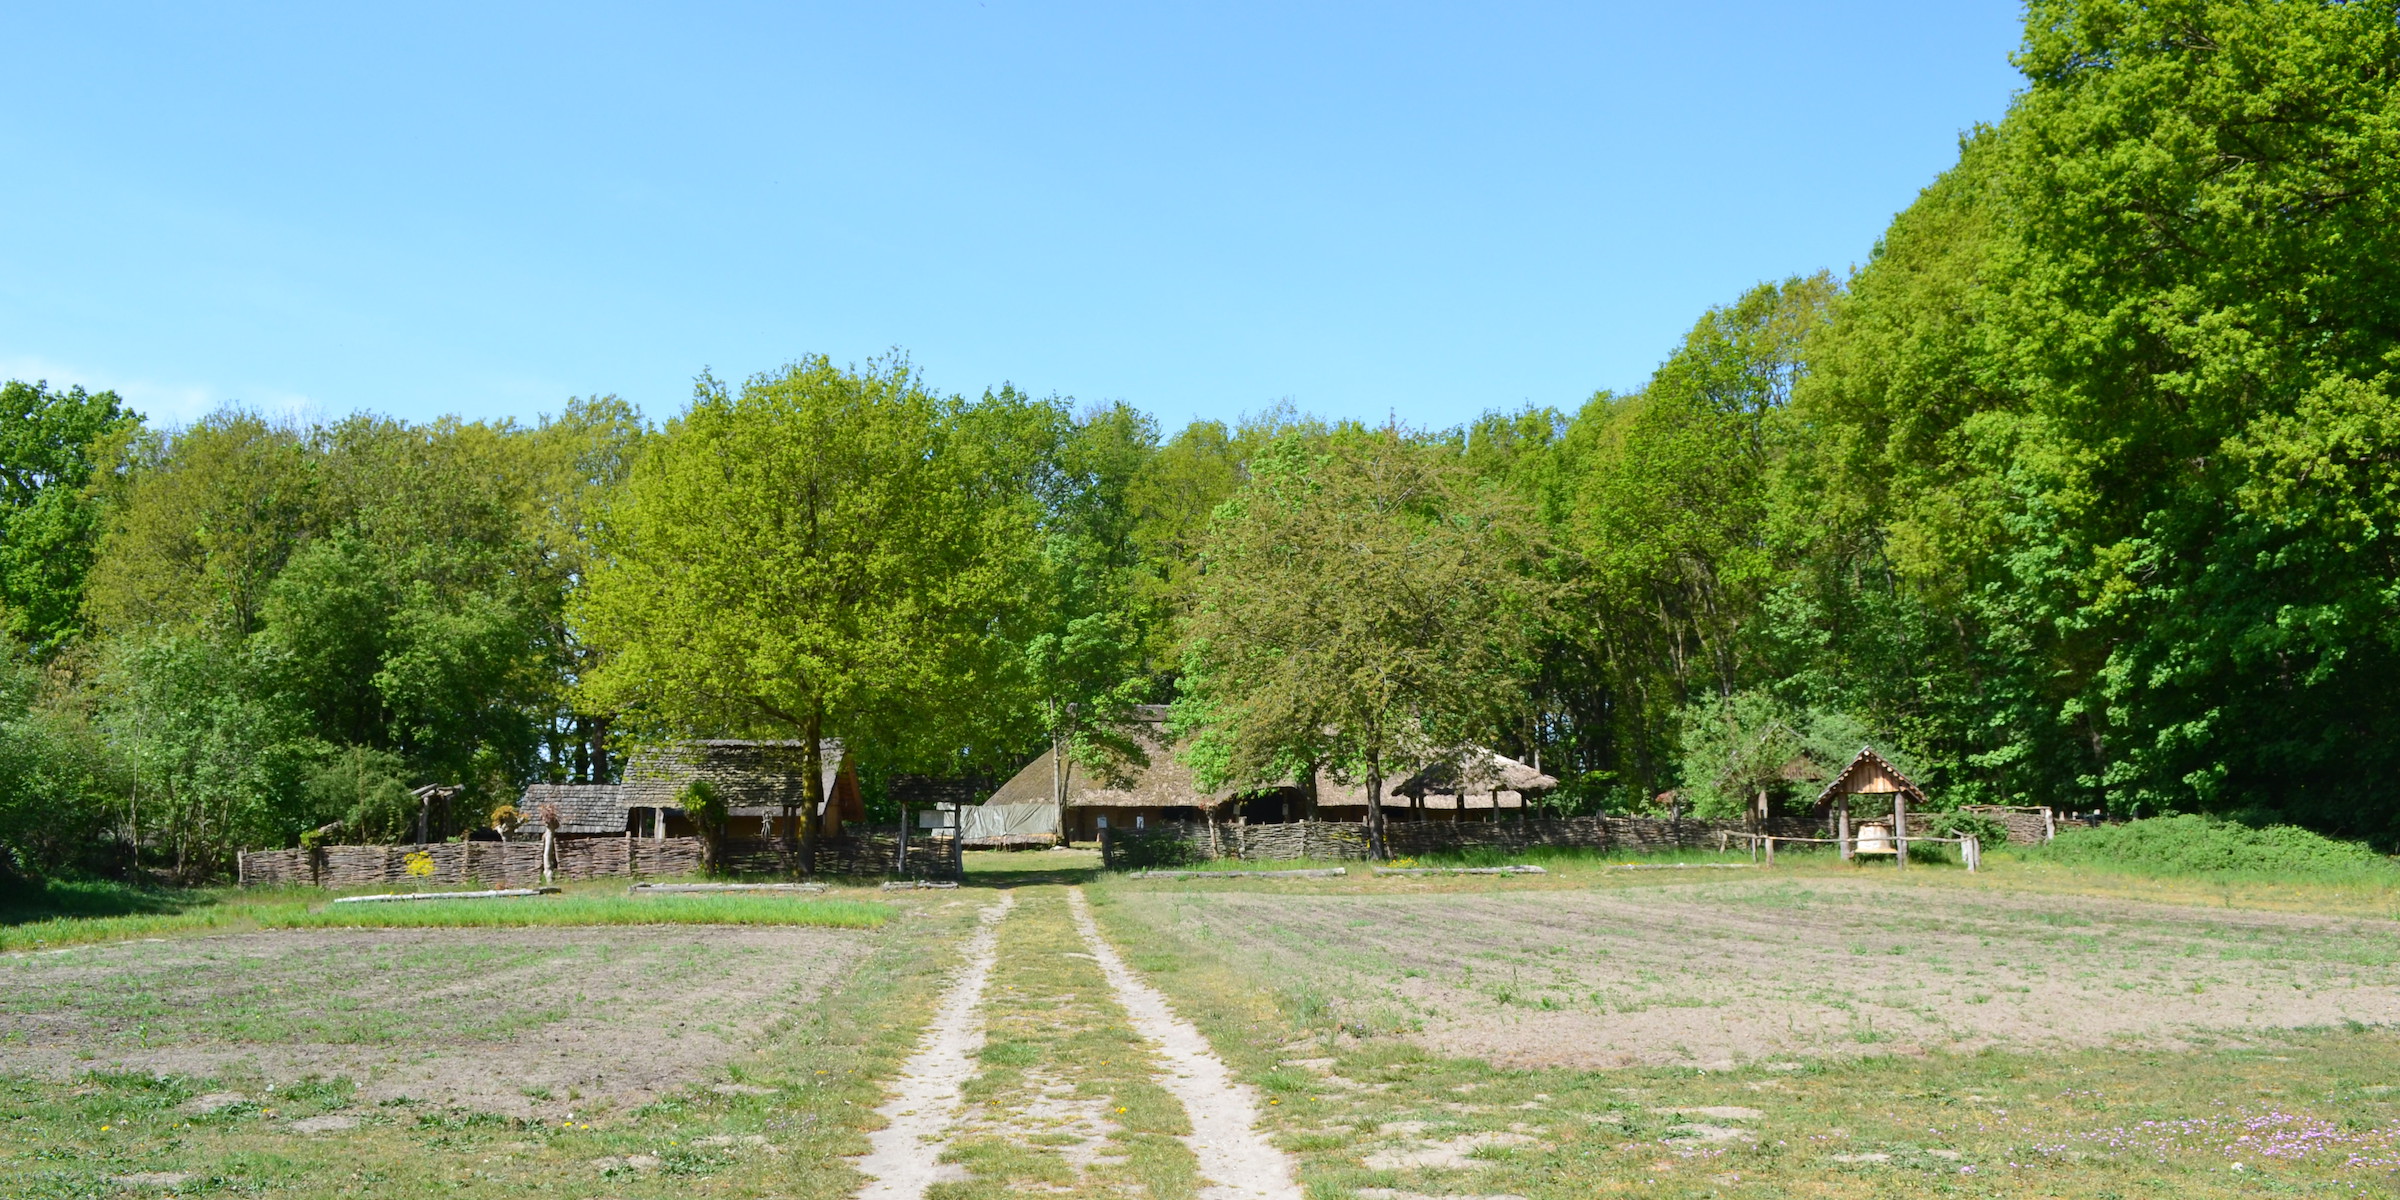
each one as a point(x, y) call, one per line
point(23, 902)
point(1024, 868)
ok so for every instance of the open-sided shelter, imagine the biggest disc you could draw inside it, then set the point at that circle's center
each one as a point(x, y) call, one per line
point(1156, 786)
point(1879, 788)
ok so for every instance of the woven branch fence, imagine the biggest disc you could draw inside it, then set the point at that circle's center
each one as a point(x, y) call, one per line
point(1177, 843)
point(857, 852)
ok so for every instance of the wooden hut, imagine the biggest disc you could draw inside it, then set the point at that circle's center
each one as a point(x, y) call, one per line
point(756, 779)
point(1141, 791)
point(1883, 790)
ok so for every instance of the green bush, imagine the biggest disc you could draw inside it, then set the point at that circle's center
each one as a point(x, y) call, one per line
point(1986, 829)
point(366, 791)
point(2210, 844)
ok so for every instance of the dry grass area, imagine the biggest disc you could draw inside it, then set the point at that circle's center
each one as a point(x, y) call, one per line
point(614, 1063)
point(514, 1021)
point(1504, 1010)
point(1760, 968)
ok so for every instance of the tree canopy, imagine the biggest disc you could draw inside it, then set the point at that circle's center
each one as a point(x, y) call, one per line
point(2081, 491)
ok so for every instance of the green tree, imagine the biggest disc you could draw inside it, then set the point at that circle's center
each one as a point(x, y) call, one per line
point(50, 443)
point(1362, 606)
point(63, 786)
point(1663, 498)
point(824, 553)
point(2114, 403)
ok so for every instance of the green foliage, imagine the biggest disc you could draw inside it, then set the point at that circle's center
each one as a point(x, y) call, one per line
point(2113, 403)
point(1986, 829)
point(219, 756)
point(2197, 844)
point(1734, 747)
point(367, 791)
point(824, 554)
point(50, 443)
point(701, 802)
point(1365, 603)
point(60, 779)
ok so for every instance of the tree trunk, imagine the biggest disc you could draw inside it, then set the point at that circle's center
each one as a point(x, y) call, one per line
point(1375, 849)
point(812, 790)
point(598, 748)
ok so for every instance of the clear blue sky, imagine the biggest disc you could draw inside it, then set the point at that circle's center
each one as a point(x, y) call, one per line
point(1198, 208)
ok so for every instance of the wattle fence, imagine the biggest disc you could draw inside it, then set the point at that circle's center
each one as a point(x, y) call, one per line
point(857, 852)
point(1177, 843)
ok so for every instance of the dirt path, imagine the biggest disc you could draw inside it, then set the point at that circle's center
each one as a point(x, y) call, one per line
point(1236, 1160)
point(905, 1153)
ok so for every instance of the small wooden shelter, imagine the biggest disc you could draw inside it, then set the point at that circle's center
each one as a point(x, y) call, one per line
point(1870, 774)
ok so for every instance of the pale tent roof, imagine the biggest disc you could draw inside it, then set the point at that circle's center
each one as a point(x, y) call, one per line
point(1870, 774)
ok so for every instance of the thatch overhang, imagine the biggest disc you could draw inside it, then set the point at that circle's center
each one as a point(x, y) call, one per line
point(755, 778)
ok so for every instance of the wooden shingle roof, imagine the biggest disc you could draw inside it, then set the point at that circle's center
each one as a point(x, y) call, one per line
point(1870, 773)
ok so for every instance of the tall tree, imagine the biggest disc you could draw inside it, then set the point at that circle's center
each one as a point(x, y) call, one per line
point(50, 442)
point(2119, 394)
point(1361, 605)
point(818, 553)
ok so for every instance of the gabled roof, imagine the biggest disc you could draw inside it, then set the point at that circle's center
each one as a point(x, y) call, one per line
point(755, 778)
point(752, 776)
point(1161, 782)
point(1870, 774)
point(582, 807)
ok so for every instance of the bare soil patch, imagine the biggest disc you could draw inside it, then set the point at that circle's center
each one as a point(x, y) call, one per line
point(1719, 973)
point(520, 1021)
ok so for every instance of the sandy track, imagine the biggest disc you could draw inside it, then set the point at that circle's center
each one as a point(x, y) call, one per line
point(905, 1154)
point(1236, 1161)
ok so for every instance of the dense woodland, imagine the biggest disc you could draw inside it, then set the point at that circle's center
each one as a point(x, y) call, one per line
point(2081, 491)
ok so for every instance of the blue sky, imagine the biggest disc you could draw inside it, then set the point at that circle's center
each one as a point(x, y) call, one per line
point(1199, 208)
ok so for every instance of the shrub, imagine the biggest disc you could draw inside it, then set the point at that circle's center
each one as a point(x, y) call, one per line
point(2202, 844)
point(1986, 829)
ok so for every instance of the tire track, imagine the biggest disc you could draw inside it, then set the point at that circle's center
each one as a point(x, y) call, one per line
point(904, 1156)
point(1236, 1160)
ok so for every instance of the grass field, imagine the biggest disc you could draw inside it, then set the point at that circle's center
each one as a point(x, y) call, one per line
point(64, 915)
point(1820, 1031)
point(2043, 1028)
point(567, 1061)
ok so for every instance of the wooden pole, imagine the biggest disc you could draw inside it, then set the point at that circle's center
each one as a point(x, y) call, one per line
point(1900, 826)
point(1841, 828)
point(1770, 850)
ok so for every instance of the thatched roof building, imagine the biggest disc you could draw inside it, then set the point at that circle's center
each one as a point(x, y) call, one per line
point(1157, 786)
point(755, 778)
